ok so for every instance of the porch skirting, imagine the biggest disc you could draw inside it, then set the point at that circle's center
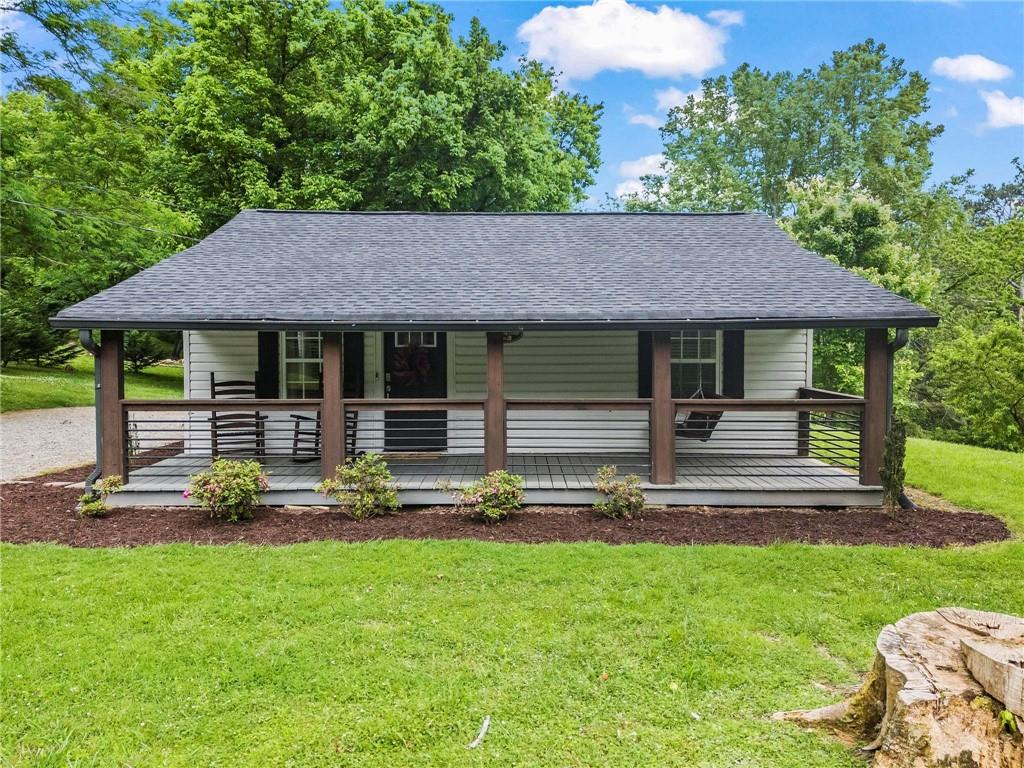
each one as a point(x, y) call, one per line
point(550, 479)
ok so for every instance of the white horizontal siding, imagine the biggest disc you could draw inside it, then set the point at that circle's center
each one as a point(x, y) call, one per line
point(552, 365)
point(228, 355)
point(774, 366)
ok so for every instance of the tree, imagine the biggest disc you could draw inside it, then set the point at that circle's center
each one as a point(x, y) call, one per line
point(859, 233)
point(75, 212)
point(749, 135)
point(371, 107)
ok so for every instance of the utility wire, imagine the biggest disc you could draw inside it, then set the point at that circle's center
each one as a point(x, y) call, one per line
point(112, 192)
point(94, 217)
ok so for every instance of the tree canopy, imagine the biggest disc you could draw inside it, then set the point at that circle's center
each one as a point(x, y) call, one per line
point(745, 137)
point(132, 135)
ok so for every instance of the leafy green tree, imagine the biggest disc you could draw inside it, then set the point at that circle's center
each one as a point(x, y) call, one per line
point(373, 106)
point(857, 120)
point(982, 385)
point(75, 212)
point(859, 233)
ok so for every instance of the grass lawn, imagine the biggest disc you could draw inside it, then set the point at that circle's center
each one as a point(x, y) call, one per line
point(979, 478)
point(25, 386)
point(391, 653)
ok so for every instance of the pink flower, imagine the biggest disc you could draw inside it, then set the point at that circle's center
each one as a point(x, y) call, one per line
point(186, 493)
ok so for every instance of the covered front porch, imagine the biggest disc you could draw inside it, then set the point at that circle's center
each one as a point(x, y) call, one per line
point(818, 448)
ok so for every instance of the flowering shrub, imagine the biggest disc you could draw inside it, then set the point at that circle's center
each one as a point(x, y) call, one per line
point(622, 498)
point(494, 496)
point(364, 487)
point(95, 504)
point(228, 489)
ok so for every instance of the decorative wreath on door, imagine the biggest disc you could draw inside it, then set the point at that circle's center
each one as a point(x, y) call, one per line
point(411, 364)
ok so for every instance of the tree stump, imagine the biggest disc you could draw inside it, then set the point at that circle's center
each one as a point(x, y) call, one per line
point(920, 706)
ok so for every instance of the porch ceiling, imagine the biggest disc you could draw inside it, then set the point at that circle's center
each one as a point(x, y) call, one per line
point(365, 271)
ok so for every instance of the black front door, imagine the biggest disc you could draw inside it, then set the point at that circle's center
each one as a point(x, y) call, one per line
point(415, 366)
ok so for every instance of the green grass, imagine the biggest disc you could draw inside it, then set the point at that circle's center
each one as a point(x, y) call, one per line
point(24, 386)
point(391, 653)
point(979, 478)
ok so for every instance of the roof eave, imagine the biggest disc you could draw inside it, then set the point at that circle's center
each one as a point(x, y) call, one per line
point(211, 324)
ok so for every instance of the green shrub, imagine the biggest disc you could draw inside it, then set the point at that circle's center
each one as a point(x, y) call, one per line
point(95, 504)
point(892, 470)
point(493, 497)
point(228, 489)
point(364, 487)
point(622, 498)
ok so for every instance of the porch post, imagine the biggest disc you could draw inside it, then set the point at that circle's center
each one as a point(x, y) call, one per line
point(872, 432)
point(663, 417)
point(495, 449)
point(332, 409)
point(111, 417)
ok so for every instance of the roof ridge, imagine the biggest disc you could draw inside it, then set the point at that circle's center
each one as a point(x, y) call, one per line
point(504, 213)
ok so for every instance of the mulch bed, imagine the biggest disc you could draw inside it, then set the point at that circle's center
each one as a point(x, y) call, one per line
point(36, 511)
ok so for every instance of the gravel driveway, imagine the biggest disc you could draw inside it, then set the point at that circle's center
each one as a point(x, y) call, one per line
point(32, 442)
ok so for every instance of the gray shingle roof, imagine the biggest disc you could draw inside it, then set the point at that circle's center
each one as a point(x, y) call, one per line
point(377, 270)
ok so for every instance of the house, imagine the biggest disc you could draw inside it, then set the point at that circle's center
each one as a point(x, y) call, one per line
point(675, 346)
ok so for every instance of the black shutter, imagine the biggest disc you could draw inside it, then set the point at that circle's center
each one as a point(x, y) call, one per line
point(732, 363)
point(643, 363)
point(268, 379)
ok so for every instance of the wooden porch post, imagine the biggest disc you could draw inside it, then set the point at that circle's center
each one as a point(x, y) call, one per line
point(332, 409)
point(872, 433)
point(663, 416)
point(111, 424)
point(495, 426)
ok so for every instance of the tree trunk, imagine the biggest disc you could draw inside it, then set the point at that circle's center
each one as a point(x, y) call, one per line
point(920, 707)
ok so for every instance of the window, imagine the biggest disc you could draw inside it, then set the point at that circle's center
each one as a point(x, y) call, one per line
point(694, 363)
point(415, 338)
point(302, 364)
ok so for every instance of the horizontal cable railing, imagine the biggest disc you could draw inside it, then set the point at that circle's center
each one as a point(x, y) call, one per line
point(439, 438)
point(432, 440)
point(170, 440)
point(570, 439)
point(768, 438)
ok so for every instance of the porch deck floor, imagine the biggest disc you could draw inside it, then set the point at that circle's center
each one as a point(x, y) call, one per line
point(572, 472)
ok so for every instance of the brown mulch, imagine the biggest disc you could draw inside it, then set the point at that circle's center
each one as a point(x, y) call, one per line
point(38, 512)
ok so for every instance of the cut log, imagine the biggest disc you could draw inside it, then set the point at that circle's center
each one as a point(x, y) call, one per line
point(920, 706)
point(999, 666)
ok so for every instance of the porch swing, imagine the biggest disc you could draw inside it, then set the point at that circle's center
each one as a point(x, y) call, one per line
point(700, 425)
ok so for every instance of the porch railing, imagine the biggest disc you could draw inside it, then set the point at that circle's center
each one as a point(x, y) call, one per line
point(763, 438)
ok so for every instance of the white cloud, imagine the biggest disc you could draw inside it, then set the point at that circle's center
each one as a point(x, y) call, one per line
point(725, 18)
point(969, 68)
point(651, 121)
point(629, 187)
point(1003, 111)
point(675, 97)
point(952, 112)
point(632, 170)
point(10, 21)
point(581, 41)
point(642, 165)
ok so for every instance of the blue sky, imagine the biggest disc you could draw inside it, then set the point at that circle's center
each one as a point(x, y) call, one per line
point(633, 55)
point(636, 46)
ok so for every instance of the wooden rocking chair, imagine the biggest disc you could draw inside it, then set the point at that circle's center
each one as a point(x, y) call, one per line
point(238, 433)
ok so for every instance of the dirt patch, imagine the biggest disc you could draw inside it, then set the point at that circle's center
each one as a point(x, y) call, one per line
point(39, 512)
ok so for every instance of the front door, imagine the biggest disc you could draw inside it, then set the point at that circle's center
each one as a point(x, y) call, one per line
point(415, 366)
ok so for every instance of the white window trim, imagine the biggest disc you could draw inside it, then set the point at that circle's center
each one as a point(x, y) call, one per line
point(717, 360)
point(283, 360)
point(431, 345)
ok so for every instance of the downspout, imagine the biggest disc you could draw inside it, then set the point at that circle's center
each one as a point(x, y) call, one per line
point(86, 340)
point(902, 337)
